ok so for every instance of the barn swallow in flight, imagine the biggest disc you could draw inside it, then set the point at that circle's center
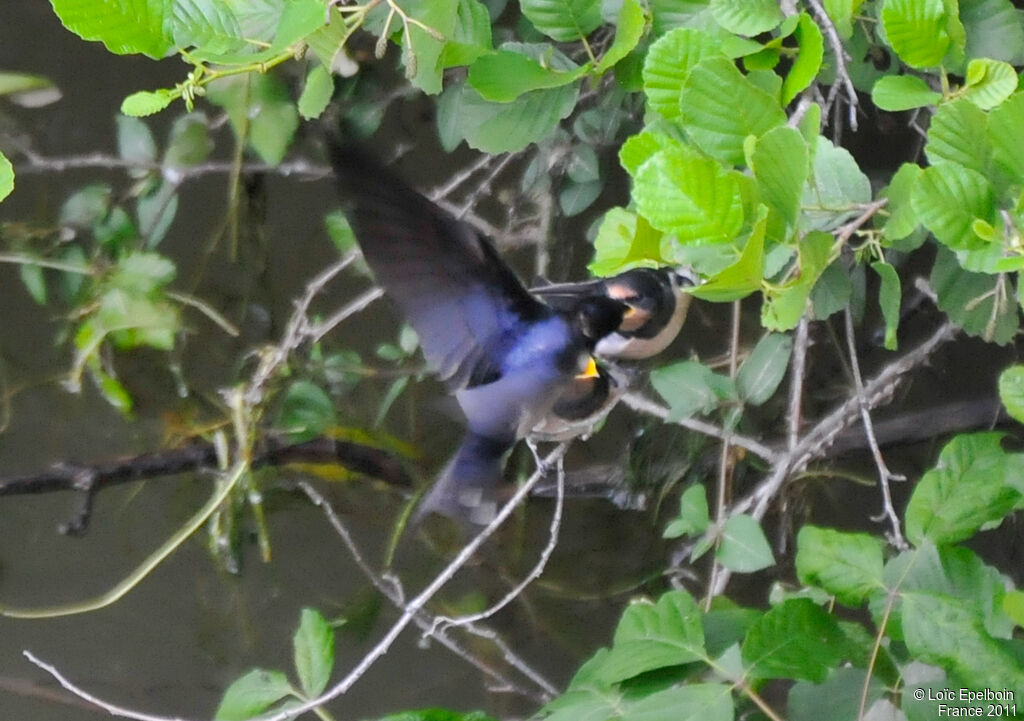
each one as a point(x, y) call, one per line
point(656, 308)
point(505, 355)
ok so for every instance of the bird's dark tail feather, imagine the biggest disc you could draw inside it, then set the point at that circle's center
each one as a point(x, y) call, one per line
point(465, 489)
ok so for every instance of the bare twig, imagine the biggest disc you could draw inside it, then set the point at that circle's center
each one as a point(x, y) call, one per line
point(444, 622)
point(884, 474)
point(815, 442)
point(842, 74)
point(357, 305)
point(112, 709)
point(392, 591)
point(796, 383)
point(723, 489)
point(641, 404)
point(414, 606)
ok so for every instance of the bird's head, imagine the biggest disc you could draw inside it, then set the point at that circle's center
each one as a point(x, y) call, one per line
point(597, 316)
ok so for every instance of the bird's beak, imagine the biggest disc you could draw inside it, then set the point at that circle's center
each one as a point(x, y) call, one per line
point(629, 312)
point(590, 371)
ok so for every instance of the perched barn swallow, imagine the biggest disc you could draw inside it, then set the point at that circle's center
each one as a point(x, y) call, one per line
point(505, 355)
point(656, 308)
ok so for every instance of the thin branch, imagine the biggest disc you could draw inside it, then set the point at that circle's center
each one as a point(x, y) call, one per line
point(357, 305)
point(444, 622)
point(392, 591)
point(796, 383)
point(723, 487)
point(815, 442)
point(884, 474)
point(416, 604)
point(839, 53)
point(640, 404)
point(81, 693)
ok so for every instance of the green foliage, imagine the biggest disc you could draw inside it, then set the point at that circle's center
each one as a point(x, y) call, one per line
point(259, 691)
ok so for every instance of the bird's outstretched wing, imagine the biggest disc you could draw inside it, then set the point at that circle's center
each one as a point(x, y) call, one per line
point(454, 289)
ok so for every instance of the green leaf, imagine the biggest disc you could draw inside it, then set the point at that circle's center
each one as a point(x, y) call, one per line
point(968, 488)
point(690, 196)
point(841, 14)
point(721, 107)
point(1013, 606)
point(989, 82)
point(940, 631)
point(156, 211)
point(574, 198)
point(316, 93)
point(993, 30)
point(765, 367)
point(189, 142)
point(143, 273)
point(22, 86)
point(808, 60)
point(889, 295)
point(780, 165)
point(668, 64)
point(948, 198)
point(260, 111)
point(654, 635)
point(205, 24)
point(836, 189)
point(504, 75)
point(689, 387)
point(437, 714)
point(847, 565)
point(742, 546)
point(307, 411)
point(693, 514)
point(640, 147)
point(743, 277)
point(146, 102)
point(831, 292)
point(423, 55)
point(746, 17)
point(314, 652)
point(624, 240)
point(784, 308)
point(794, 640)
point(123, 26)
point(471, 36)
point(1011, 391)
point(902, 92)
point(563, 20)
point(252, 694)
point(1004, 124)
point(953, 135)
point(971, 300)
point(6, 176)
point(134, 141)
point(112, 390)
point(840, 694)
point(506, 127)
point(629, 28)
point(692, 702)
point(35, 282)
point(917, 31)
point(901, 221)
